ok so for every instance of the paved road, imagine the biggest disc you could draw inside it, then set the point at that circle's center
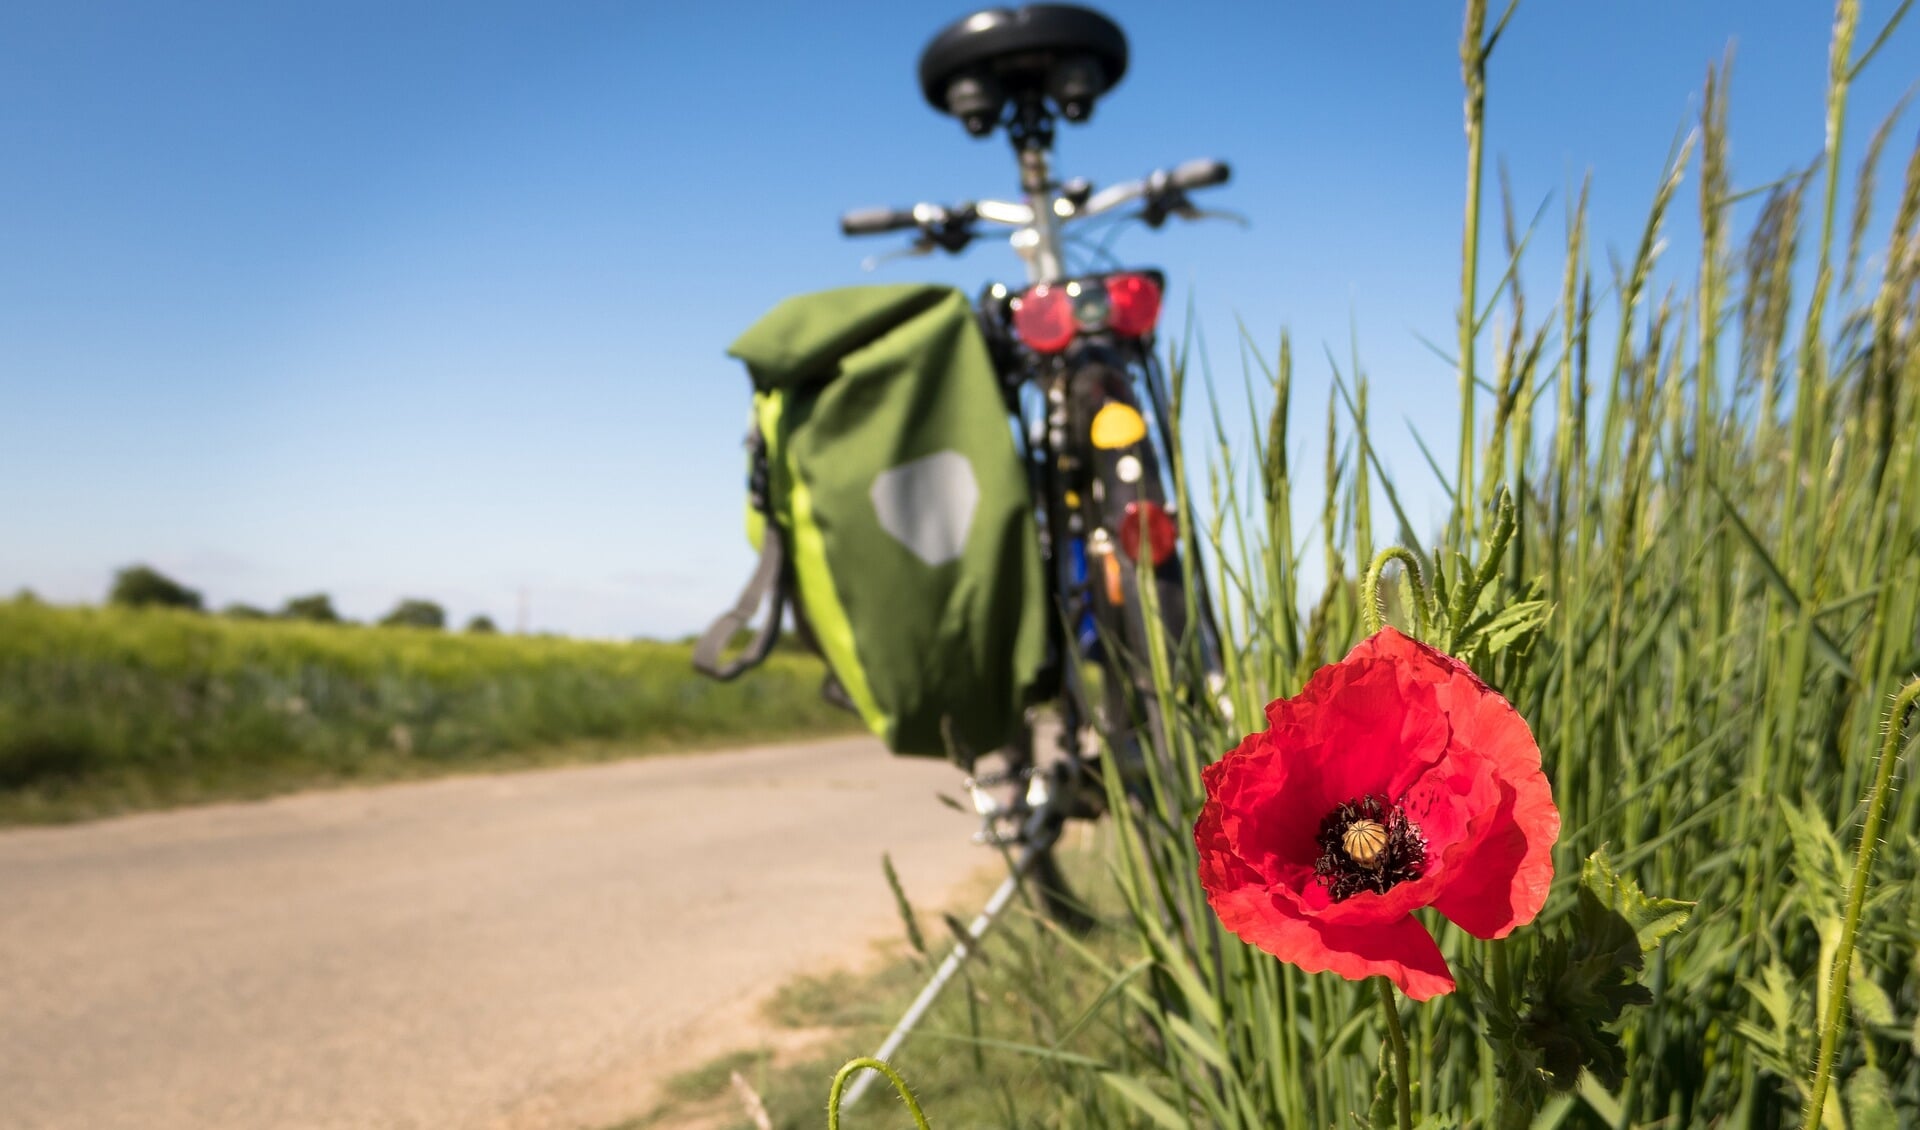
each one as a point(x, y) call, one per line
point(526, 950)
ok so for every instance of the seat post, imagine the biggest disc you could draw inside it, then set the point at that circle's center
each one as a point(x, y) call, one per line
point(1031, 131)
point(1039, 242)
point(1035, 173)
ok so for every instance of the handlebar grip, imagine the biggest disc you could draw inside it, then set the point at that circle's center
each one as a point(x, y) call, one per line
point(1200, 174)
point(876, 221)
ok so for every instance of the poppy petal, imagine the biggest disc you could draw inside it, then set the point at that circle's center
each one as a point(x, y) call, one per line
point(1505, 883)
point(1481, 899)
point(1264, 809)
point(1379, 734)
point(1400, 950)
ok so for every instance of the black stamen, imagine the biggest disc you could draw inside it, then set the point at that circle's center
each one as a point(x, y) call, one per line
point(1404, 857)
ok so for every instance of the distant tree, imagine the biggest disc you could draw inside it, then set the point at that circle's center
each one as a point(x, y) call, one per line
point(482, 625)
point(317, 607)
point(141, 586)
point(413, 613)
point(27, 596)
point(238, 611)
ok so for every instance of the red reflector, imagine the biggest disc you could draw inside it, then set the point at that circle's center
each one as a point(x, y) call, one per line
point(1160, 532)
point(1043, 318)
point(1136, 304)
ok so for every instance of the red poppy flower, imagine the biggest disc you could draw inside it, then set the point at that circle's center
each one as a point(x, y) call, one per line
point(1396, 779)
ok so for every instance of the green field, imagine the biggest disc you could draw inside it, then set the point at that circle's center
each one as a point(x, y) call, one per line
point(105, 709)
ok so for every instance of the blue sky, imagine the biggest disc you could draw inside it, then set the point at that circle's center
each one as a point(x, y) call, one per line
point(403, 299)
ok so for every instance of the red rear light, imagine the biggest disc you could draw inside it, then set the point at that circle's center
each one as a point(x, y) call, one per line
point(1136, 304)
point(1043, 317)
point(1160, 532)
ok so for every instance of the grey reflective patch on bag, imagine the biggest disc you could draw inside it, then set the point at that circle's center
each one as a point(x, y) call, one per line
point(927, 505)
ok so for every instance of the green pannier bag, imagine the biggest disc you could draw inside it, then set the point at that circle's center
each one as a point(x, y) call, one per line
point(891, 511)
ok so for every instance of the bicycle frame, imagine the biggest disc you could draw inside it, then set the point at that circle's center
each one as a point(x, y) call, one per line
point(1078, 529)
point(1077, 496)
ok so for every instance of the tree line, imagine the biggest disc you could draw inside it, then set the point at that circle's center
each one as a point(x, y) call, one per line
point(142, 586)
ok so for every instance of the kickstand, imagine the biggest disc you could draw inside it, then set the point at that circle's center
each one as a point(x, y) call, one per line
point(962, 950)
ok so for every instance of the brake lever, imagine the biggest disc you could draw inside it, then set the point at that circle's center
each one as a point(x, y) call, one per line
point(1189, 212)
point(1163, 200)
point(919, 247)
point(1156, 216)
point(949, 229)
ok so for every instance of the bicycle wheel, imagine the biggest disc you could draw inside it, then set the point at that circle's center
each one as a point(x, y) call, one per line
point(1135, 546)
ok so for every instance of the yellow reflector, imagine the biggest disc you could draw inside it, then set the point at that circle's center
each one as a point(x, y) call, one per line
point(1117, 426)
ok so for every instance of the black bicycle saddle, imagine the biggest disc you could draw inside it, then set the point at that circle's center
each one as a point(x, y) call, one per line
point(1064, 52)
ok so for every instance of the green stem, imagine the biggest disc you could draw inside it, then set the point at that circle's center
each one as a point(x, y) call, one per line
point(1473, 60)
point(1376, 616)
point(1398, 1037)
point(1501, 976)
point(1856, 901)
point(846, 1072)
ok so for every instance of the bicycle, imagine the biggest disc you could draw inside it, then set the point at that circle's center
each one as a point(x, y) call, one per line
point(1073, 350)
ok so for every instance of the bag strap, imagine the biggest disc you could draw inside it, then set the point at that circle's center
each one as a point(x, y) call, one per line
point(768, 580)
point(835, 693)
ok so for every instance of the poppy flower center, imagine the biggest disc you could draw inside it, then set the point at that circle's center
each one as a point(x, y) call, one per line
point(1368, 844)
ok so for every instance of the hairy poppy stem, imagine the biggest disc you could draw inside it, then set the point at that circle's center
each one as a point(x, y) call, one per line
point(1856, 901)
point(1376, 616)
point(1397, 1036)
point(846, 1072)
point(1501, 974)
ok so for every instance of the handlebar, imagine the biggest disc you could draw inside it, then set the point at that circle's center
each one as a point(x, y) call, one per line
point(876, 221)
point(1203, 173)
point(1161, 189)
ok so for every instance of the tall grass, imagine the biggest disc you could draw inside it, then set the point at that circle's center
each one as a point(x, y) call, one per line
point(105, 709)
point(1715, 488)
